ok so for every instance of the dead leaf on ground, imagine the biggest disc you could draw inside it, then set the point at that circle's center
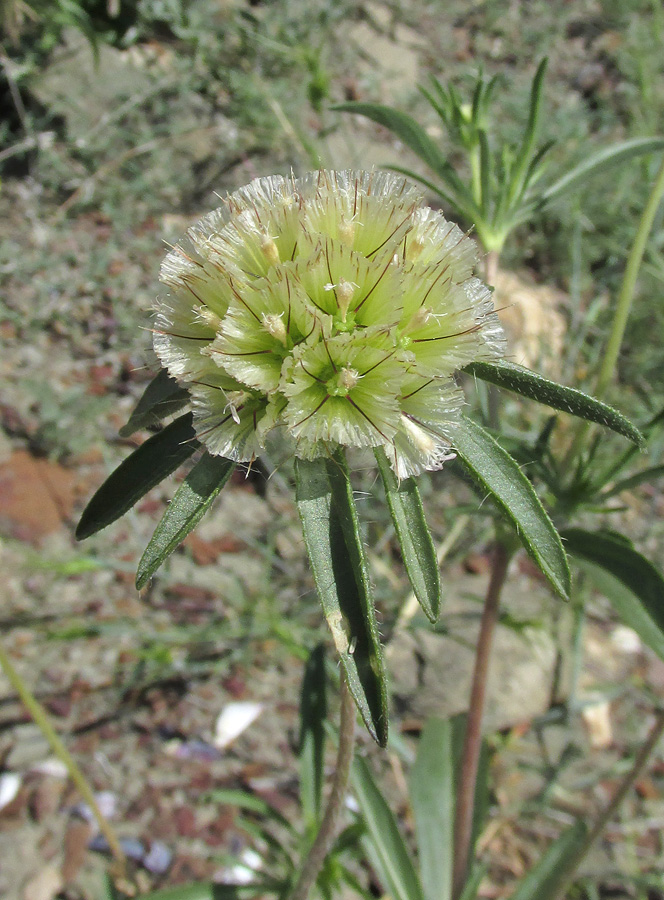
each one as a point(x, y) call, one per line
point(36, 496)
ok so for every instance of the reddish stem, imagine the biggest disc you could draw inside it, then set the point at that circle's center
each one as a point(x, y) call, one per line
point(465, 805)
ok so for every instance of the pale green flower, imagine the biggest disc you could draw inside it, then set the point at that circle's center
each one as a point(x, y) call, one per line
point(335, 305)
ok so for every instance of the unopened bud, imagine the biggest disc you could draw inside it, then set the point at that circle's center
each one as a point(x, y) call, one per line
point(419, 437)
point(206, 315)
point(345, 292)
point(346, 232)
point(348, 378)
point(274, 325)
point(270, 250)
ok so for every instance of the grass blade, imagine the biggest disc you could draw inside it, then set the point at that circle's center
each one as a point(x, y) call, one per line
point(313, 712)
point(617, 557)
point(497, 472)
point(599, 162)
point(554, 868)
point(158, 457)
point(193, 499)
point(387, 849)
point(412, 135)
point(417, 549)
point(432, 799)
point(535, 387)
point(161, 398)
point(324, 498)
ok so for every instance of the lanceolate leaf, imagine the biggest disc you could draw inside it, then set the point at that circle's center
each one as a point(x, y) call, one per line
point(432, 799)
point(627, 606)
point(417, 549)
point(158, 457)
point(412, 135)
point(501, 477)
point(623, 562)
point(600, 162)
point(331, 533)
point(192, 500)
point(632, 481)
point(555, 867)
point(576, 403)
point(386, 848)
point(313, 712)
point(161, 398)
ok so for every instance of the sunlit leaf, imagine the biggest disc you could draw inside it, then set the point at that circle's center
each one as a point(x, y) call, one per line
point(325, 502)
point(417, 549)
point(161, 398)
point(535, 387)
point(386, 847)
point(500, 476)
point(153, 461)
point(193, 499)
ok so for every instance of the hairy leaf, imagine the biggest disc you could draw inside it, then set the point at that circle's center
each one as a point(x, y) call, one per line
point(576, 403)
point(324, 498)
point(497, 472)
point(417, 549)
point(161, 398)
point(193, 499)
point(158, 457)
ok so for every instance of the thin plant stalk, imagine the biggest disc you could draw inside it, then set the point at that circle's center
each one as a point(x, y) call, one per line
point(329, 826)
point(41, 719)
point(615, 802)
point(463, 825)
point(623, 306)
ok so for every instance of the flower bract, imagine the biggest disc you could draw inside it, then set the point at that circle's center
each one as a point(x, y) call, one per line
point(336, 306)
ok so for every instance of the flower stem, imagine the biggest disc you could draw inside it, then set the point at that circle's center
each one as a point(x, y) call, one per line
point(463, 825)
point(41, 719)
point(623, 308)
point(328, 827)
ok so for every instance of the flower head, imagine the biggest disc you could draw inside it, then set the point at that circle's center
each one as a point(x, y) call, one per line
point(336, 305)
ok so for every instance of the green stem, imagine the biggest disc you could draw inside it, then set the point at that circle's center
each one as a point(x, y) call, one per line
point(623, 307)
point(328, 827)
point(476, 174)
point(465, 806)
point(41, 719)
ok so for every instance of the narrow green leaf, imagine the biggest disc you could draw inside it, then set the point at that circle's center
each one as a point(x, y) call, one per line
point(636, 573)
point(553, 870)
point(193, 499)
point(158, 457)
point(324, 498)
point(161, 398)
point(387, 849)
point(499, 474)
point(535, 387)
point(411, 134)
point(482, 797)
point(249, 803)
point(417, 549)
point(626, 605)
point(313, 712)
point(525, 153)
point(432, 799)
point(626, 484)
point(472, 885)
point(599, 162)
point(467, 209)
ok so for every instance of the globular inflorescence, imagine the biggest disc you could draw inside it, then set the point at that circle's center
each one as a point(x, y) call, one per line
point(336, 306)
